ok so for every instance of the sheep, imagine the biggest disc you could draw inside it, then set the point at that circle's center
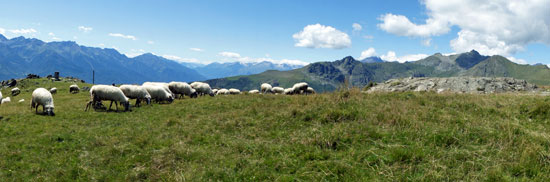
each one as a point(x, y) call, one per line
point(196, 84)
point(163, 85)
point(183, 89)
point(215, 91)
point(223, 91)
point(73, 89)
point(15, 91)
point(254, 92)
point(300, 88)
point(136, 92)
point(310, 90)
point(265, 88)
point(288, 91)
point(42, 97)
point(204, 89)
point(53, 90)
point(6, 100)
point(114, 94)
point(234, 91)
point(278, 90)
point(159, 93)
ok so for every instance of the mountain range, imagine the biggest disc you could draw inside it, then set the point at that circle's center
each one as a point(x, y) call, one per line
point(328, 76)
point(221, 70)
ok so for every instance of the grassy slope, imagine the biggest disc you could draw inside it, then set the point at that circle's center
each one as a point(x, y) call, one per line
point(345, 136)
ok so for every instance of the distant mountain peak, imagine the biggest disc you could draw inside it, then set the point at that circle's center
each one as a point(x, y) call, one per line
point(373, 59)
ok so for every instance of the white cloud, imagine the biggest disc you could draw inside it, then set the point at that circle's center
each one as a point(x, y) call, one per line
point(392, 56)
point(101, 45)
point(367, 53)
point(427, 42)
point(516, 60)
point(491, 27)
point(51, 34)
point(85, 29)
point(135, 52)
point(23, 31)
point(368, 37)
point(229, 54)
point(183, 60)
point(321, 36)
point(53, 37)
point(196, 49)
point(356, 27)
point(123, 36)
point(2, 31)
point(150, 42)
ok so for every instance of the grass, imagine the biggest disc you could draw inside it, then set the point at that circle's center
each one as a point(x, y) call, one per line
point(340, 136)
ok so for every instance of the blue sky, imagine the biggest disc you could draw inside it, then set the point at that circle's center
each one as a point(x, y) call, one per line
point(251, 30)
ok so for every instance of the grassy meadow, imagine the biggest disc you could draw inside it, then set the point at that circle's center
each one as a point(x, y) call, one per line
point(339, 136)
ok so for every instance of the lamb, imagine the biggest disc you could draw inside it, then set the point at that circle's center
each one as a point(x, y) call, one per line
point(99, 93)
point(234, 91)
point(159, 93)
point(288, 91)
point(183, 89)
point(300, 88)
point(204, 88)
point(73, 89)
point(278, 90)
point(254, 92)
point(136, 92)
point(6, 100)
point(53, 90)
point(42, 97)
point(265, 88)
point(223, 91)
point(15, 91)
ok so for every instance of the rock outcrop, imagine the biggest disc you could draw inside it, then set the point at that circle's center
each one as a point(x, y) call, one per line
point(455, 85)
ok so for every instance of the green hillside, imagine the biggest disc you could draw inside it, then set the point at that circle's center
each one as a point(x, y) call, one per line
point(339, 136)
point(499, 66)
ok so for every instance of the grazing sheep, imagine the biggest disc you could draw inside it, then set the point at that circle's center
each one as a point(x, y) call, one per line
point(223, 91)
point(300, 88)
point(310, 90)
point(204, 89)
point(159, 93)
point(6, 100)
point(182, 89)
point(73, 89)
point(111, 93)
point(162, 84)
point(254, 92)
point(53, 90)
point(265, 88)
point(288, 91)
point(42, 97)
point(22, 100)
point(15, 91)
point(215, 91)
point(278, 90)
point(234, 91)
point(195, 85)
point(136, 92)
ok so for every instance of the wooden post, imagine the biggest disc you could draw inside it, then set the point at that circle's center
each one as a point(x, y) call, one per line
point(93, 77)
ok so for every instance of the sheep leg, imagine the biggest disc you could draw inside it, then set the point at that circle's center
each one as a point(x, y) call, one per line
point(111, 105)
point(116, 105)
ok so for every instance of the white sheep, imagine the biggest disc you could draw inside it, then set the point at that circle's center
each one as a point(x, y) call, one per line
point(182, 89)
point(310, 90)
point(53, 90)
point(234, 91)
point(223, 91)
point(111, 93)
point(42, 97)
point(204, 89)
point(215, 91)
point(300, 88)
point(159, 93)
point(74, 89)
point(196, 84)
point(265, 88)
point(6, 100)
point(278, 90)
point(163, 85)
point(15, 91)
point(136, 92)
point(288, 91)
point(254, 92)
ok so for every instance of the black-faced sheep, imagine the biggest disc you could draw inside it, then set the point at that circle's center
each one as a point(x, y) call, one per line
point(204, 89)
point(278, 90)
point(15, 91)
point(53, 90)
point(234, 91)
point(159, 93)
point(73, 89)
point(42, 97)
point(136, 92)
point(182, 89)
point(300, 88)
point(265, 88)
point(100, 93)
